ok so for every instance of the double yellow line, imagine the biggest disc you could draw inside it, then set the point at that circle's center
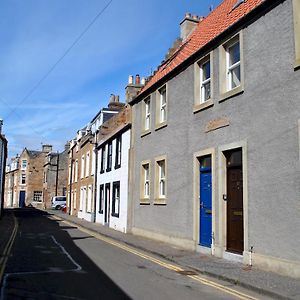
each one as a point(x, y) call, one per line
point(7, 249)
point(161, 263)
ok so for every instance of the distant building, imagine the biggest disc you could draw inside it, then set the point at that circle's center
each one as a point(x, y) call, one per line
point(55, 175)
point(25, 178)
point(81, 181)
point(3, 156)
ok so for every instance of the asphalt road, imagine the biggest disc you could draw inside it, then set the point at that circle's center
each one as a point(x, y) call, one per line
point(52, 260)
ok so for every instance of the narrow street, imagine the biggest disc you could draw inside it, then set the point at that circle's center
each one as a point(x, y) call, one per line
point(52, 260)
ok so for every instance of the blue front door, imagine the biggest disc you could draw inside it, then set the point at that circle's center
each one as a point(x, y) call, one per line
point(22, 199)
point(205, 202)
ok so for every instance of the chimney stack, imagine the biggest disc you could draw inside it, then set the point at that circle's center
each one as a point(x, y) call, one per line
point(133, 88)
point(47, 148)
point(188, 25)
point(114, 102)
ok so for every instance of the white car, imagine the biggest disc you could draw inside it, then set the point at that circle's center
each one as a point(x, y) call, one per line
point(58, 202)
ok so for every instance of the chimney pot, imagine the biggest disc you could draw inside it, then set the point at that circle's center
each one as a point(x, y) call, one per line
point(137, 79)
point(130, 79)
point(143, 81)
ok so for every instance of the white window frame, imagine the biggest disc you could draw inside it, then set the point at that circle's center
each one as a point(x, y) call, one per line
point(89, 199)
point(147, 114)
point(23, 166)
point(93, 162)
point(205, 82)
point(38, 195)
point(74, 199)
point(87, 164)
point(76, 170)
point(146, 180)
point(162, 178)
point(231, 68)
point(21, 179)
point(82, 167)
point(162, 104)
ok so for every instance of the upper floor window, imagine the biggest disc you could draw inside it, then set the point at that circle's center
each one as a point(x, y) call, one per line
point(103, 158)
point(82, 166)
point(76, 170)
point(87, 164)
point(109, 157)
point(205, 81)
point(233, 62)
point(24, 164)
point(147, 114)
point(162, 104)
point(23, 178)
point(118, 152)
point(146, 180)
point(93, 163)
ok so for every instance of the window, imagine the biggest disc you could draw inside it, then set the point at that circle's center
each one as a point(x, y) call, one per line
point(89, 199)
point(87, 164)
point(296, 12)
point(45, 177)
point(82, 197)
point(162, 105)
point(116, 199)
point(103, 155)
point(147, 114)
point(23, 179)
point(118, 152)
point(109, 157)
point(233, 66)
point(146, 180)
point(37, 196)
point(24, 164)
point(82, 166)
point(205, 85)
point(101, 198)
point(231, 75)
point(160, 180)
point(75, 199)
point(76, 170)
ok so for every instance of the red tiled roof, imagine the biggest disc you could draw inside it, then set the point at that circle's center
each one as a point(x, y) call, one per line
point(213, 25)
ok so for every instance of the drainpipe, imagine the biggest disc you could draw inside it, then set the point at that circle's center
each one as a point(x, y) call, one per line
point(70, 183)
point(56, 179)
point(95, 177)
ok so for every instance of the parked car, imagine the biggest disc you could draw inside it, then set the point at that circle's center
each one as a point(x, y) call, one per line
point(58, 202)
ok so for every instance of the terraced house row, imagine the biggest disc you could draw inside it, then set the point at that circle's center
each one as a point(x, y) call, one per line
point(205, 154)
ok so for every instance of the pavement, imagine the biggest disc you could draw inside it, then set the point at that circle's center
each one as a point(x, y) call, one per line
point(265, 283)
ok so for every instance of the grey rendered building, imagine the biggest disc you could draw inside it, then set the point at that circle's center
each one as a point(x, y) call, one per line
point(216, 138)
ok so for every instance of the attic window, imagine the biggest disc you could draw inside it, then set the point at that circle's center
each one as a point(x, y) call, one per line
point(238, 3)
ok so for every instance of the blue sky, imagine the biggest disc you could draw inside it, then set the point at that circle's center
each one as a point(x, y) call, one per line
point(130, 37)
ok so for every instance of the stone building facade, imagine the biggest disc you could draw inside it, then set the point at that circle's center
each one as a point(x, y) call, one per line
point(216, 139)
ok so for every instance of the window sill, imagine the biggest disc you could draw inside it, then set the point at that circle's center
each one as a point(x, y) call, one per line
point(144, 201)
point(146, 132)
point(160, 201)
point(202, 106)
point(297, 64)
point(234, 92)
point(161, 125)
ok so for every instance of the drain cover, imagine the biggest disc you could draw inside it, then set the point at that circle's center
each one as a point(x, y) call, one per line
point(187, 272)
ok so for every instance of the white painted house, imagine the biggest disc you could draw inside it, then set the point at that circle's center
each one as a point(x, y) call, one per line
point(113, 172)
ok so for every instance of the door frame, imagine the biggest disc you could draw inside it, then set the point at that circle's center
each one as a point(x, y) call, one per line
point(196, 192)
point(107, 199)
point(222, 172)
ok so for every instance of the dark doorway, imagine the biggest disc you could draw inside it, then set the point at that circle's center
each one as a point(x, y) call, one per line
point(22, 199)
point(235, 219)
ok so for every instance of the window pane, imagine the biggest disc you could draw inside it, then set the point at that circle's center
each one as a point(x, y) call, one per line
point(206, 70)
point(235, 77)
point(205, 92)
point(234, 54)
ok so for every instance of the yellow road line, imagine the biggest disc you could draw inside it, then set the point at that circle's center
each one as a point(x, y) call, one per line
point(168, 266)
point(8, 247)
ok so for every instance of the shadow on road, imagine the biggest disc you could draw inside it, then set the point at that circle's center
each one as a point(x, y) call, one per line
point(45, 263)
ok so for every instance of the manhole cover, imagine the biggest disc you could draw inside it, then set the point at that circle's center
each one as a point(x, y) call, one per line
point(187, 272)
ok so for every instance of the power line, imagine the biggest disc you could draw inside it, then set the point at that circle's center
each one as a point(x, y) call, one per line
point(31, 91)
